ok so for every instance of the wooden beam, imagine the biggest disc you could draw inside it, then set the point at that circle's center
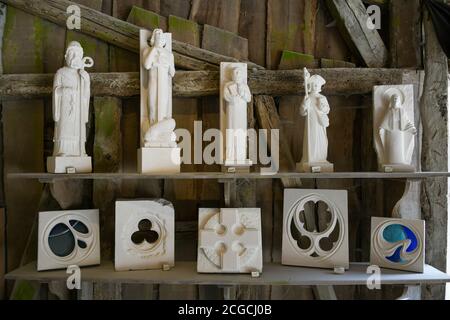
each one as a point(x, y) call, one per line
point(405, 33)
point(352, 17)
point(344, 81)
point(434, 113)
point(119, 33)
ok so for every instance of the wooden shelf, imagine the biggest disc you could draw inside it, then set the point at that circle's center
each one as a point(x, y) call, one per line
point(185, 273)
point(48, 177)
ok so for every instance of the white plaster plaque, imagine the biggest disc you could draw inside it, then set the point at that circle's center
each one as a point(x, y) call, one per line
point(393, 127)
point(145, 235)
point(229, 241)
point(67, 238)
point(315, 228)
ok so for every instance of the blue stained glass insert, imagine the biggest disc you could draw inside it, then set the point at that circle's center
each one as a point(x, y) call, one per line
point(396, 257)
point(395, 233)
point(411, 236)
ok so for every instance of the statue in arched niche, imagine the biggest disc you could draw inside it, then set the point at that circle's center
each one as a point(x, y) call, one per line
point(394, 128)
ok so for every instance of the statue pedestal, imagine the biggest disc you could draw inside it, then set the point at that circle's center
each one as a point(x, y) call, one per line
point(159, 160)
point(68, 164)
point(315, 167)
point(237, 166)
point(397, 168)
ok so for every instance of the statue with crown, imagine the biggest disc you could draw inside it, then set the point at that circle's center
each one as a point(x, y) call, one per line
point(315, 109)
point(71, 96)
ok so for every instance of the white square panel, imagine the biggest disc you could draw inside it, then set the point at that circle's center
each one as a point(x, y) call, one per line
point(315, 228)
point(398, 244)
point(67, 238)
point(145, 235)
point(229, 241)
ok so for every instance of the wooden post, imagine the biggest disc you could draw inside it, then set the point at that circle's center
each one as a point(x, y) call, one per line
point(405, 33)
point(2, 200)
point(107, 158)
point(434, 112)
point(21, 52)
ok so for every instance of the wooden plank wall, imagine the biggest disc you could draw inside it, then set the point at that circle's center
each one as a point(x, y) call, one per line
point(267, 28)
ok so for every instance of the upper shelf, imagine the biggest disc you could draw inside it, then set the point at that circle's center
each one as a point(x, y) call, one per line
point(48, 177)
point(273, 274)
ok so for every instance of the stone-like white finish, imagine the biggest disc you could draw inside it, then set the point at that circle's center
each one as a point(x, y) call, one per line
point(229, 241)
point(157, 125)
point(159, 160)
point(79, 229)
point(393, 127)
point(71, 96)
point(65, 164)
point(145, 235)
point(235, 96)
point(398, 244)
point(315, 109)
point(323, 246)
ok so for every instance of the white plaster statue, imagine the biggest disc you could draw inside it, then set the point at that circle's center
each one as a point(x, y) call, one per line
point(394, 129)
point(315, 108)
point(159, 152)
point(159, 61)
point(71, 96)
point(235, 98)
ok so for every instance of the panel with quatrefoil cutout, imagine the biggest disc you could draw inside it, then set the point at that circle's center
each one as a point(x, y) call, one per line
point(229, 241)
point(315, 228)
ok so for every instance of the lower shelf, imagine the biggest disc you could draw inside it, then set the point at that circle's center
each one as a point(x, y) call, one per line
point(273, 274)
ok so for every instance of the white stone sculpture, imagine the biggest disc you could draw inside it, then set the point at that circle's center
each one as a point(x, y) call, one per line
point(235, 96)
point(229, 241)
point(68, 238)
point(71, 96)
point(398, 244)
point(145, 235)
point(315, 228)
point(159, 152)
point(393, 126)
point(315, 109)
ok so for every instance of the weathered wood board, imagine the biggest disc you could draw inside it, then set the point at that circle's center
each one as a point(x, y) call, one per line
point(352, 17)
point(188, 84)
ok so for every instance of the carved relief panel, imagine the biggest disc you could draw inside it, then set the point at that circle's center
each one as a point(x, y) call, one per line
point(315, 228)
point(145, 235)
point(68, 238)
point(398, 244)
point(229, 241)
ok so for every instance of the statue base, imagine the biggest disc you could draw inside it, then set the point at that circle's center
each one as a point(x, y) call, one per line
point(315, 167)
point(237, 166)
point(159, 160)
point(69, 164)
point(389, 168)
